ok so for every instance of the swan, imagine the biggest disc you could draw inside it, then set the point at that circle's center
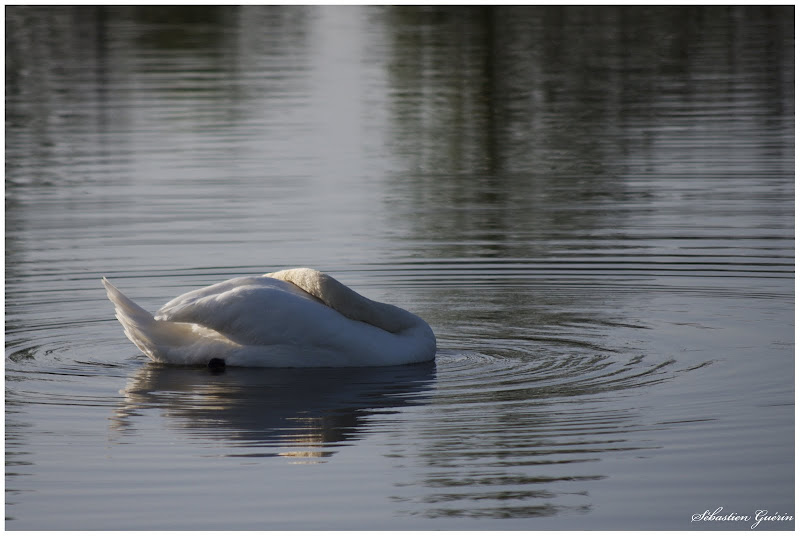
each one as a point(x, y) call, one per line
point(298, 317)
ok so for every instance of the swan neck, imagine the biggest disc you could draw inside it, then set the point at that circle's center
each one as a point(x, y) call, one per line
point(347, 301)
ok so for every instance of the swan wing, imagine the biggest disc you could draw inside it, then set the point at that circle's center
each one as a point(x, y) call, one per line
point(191, 297)
point(251, 311)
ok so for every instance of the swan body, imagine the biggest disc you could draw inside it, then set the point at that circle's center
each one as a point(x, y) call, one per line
point(292, 318)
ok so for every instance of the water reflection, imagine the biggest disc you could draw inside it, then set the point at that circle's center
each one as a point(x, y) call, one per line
point(517, 127)
point(553, 421)
point(282, 412)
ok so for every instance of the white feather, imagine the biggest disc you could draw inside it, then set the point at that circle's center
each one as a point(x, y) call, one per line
point(293, 318)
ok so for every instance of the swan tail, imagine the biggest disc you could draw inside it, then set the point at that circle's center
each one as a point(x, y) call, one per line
point(165, 341)
point(127, 311)
point(139, 325)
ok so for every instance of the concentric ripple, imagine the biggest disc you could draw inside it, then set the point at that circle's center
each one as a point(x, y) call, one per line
point(537, 379)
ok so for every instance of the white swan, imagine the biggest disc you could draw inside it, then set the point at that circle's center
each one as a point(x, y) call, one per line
point(292, 318)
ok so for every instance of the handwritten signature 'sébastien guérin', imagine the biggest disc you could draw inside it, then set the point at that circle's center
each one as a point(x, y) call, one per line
point(757, 517)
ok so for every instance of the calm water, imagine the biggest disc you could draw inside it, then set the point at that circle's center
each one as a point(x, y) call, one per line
point(593, 208)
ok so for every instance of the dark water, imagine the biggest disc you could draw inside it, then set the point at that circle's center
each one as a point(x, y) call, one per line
point(592, 207)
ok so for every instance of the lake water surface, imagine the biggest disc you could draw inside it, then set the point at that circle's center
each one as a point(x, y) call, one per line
point(592, 207)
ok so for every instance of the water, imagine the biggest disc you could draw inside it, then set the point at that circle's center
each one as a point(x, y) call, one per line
point(592, 207)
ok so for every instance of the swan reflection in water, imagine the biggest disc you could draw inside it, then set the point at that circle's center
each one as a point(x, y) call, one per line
point(300, 413)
